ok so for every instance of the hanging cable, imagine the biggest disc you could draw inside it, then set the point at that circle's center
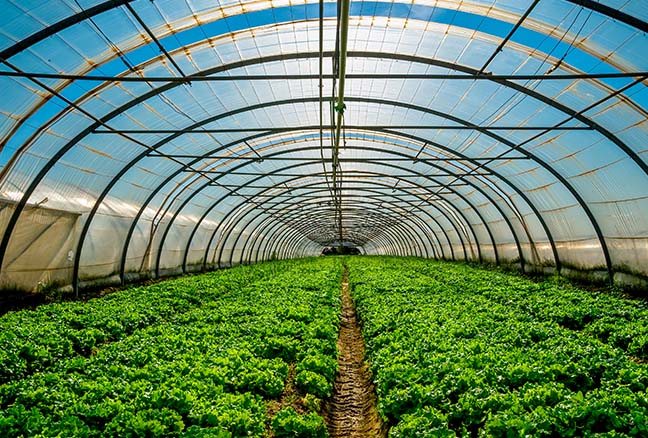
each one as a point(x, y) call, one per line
point(343, 35)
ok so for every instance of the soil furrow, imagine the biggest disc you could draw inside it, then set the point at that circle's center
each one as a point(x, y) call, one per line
point(351, 411)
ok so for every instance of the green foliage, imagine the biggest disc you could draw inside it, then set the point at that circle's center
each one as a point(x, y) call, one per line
point(288, 423)
point(319, 363)
point(426, 423)
point(313, 383)
point(316, 373)
point(197, 356)
point(312, 403)
point(458, 350)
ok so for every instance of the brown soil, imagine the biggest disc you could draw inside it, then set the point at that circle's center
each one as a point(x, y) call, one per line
point(289, 397)
point(351, 411)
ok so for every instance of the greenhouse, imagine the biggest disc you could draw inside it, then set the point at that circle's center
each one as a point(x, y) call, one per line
point(422, 218)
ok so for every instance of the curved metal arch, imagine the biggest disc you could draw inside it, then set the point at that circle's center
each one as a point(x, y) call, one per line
point(207, 211)
point(267, 235)
point(408, 58)
point(304, 249)
point(399, 238)
point(397, 244)
point(297, 216)
point(309, 250)
point(379, 242)
point(267, 223)
point(476, 187)
point(118, 176)
point(615, 14)
point(231, 226)
point(409, 106)
point(467, 223)
point(73, 19)
point(522, 259)
point(196, 226)
point(476, 211)
point(397, 133)
point(386, 246)
point(278, 244)
point(394, 241)
point(274, 225)
point(379, 248)
point(22, 203)
point(288, 206)
point(579, 2)
point(644, 166)
point(432, 143)
point(382, 243)
point(20, 206)
point(437, 145)
point(282, 254)
point(263, 176)
point(369, 218)
point(171, 176)
point(369, 189)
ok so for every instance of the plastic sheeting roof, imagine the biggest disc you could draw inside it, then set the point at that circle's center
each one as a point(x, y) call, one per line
point(185, 134)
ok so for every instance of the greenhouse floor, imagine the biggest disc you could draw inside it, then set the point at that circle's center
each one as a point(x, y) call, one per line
point(352, 410)
point(330, 346)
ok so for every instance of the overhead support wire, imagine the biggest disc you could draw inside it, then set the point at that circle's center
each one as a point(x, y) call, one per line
point(283, 77)
point(155, 40)
point(318, 160)
point(112, 45)
point(259, 157)
point(60, 26)
point(508, 37)
point(584, 110)
point(350, 127)
point(321, 174)
point(420, 151)
point(320, 185)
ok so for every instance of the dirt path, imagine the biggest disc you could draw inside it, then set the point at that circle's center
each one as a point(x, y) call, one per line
point(352, 412)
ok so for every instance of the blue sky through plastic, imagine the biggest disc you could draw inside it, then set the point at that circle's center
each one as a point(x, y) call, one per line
point(574, 56)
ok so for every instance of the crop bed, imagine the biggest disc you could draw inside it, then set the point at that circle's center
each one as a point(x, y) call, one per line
point(461, 351)
point(453, 350)
point(248, 351)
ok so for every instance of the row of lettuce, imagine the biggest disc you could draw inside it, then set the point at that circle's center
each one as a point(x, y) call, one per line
point(455, 351)
point(200, 356)
point(461, 351)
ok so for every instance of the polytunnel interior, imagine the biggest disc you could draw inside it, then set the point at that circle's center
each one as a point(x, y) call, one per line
point(148, 138)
